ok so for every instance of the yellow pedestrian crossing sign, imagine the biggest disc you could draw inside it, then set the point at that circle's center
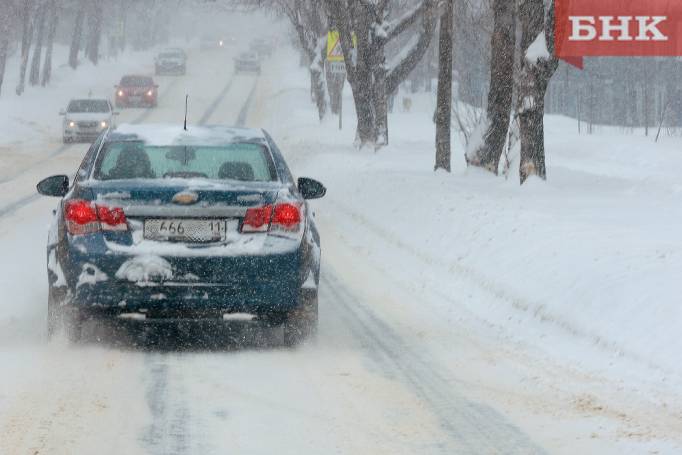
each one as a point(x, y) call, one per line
point(334, 49)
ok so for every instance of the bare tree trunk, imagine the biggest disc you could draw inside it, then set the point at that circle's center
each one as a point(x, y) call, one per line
point(380, 95)
point(335, 83)
point(362, 80)
point(4, 50)
point(77, 36)
point(318, 80)
point(95, 32)
point(305, 18)
point(122, 35)
point(371, 80)
point(503, 43)
point(647, 99)
point(535, 73)
point(34, 75)
point(444, 109)
point(26, 38)
point(4, 43)
point(47, 65)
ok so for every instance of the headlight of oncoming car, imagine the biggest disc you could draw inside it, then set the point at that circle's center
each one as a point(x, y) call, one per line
point(103, 124)
point(72, 124)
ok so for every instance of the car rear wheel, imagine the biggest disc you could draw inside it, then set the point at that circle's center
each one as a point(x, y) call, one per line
point(54, 313)
point(301, 323)
point(60, 317)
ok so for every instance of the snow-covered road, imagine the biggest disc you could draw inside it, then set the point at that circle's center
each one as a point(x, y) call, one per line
point(383, 376)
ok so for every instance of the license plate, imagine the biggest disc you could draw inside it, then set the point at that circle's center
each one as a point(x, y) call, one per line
point(186, 230)
point(135, 99)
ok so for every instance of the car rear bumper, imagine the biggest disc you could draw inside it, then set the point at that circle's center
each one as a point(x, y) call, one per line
point(187, 301)
point(248, 67)
point(143, 101)
point(170, 69)
point(79, 135)
point(191, 286)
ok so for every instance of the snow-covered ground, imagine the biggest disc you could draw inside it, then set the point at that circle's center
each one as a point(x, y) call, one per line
point(459, 313)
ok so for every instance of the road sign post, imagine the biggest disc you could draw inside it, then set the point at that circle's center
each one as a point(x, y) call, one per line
point(336, 64)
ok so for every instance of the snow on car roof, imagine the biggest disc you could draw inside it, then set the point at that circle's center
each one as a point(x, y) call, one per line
point(173, 134)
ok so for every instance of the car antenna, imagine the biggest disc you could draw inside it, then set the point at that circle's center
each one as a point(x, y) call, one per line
point(186, 103)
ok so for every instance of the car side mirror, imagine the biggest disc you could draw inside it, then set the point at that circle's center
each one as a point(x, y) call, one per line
point(156, 85)
point(311, 189)
point(62, 112)
point(56, 186)
point(115, 113)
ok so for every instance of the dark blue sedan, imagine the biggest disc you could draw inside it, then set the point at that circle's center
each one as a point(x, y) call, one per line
point(166, 224)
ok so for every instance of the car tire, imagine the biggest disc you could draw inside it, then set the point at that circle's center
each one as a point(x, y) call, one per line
point(72, 325)
point(67, 320)
point(301, 323)
point(54, 312)
point(66, 140)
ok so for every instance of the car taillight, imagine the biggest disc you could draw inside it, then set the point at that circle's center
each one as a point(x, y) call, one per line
point(112, 219)
point(257, 219)
point(283, 217)
point(287, 216)
point(84, 217)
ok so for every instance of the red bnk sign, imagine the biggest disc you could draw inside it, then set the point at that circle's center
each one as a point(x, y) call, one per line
point(617, 28)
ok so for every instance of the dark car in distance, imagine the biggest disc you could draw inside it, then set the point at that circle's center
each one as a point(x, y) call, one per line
point(247, 62)
point(171, 62)
point(136, 91)
point(262, 47)
point(162, 224)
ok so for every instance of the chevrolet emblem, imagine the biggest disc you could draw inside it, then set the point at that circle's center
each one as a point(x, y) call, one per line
point(186, 198)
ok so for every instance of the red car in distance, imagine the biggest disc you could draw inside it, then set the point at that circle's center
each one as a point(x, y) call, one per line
point(136, 91)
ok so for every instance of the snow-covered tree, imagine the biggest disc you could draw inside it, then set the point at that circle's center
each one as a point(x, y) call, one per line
point(487, 152)
point(372, 74)
point(537, 65)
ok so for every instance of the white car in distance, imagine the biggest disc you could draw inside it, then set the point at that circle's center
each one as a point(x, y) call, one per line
point(85, 119)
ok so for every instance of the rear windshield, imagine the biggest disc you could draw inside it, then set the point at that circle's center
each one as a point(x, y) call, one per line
point(85, 106)
point(136, 81)
point(135, 160)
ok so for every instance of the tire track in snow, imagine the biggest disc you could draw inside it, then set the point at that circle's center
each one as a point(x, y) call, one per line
point(244, 112)
point(169, 431)
point(216, 102)
point(471, 427)
point(172, 421)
